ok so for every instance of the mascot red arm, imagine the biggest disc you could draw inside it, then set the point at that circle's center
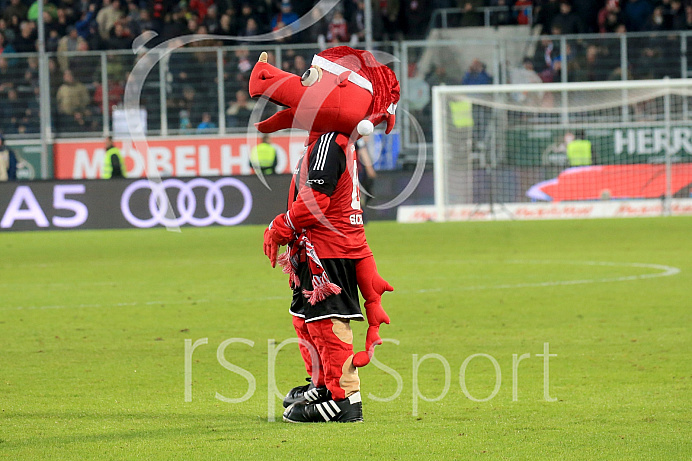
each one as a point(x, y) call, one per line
point(341, 97)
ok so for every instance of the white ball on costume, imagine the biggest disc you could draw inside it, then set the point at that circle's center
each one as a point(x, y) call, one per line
point(365, 127)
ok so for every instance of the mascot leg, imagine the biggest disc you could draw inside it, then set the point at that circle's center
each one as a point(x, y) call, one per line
point(334, 341)
point(307, 351)
point(315, 390)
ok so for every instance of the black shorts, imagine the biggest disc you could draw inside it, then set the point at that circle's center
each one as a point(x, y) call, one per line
point(345, 305)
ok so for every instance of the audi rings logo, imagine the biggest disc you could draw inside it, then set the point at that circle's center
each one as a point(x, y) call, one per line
point(186, 202)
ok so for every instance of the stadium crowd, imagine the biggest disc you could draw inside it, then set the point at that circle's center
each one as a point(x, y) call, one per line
point(82, 25)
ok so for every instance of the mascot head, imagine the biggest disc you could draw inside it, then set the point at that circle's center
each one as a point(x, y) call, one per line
point(345, 90)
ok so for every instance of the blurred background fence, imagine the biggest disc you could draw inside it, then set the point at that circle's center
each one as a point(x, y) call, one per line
point(202, 88)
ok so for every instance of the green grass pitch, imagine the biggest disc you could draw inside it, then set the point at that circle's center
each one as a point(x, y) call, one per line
point(93, 328)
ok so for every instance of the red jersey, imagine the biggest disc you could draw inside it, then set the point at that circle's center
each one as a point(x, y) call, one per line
point(329, 166)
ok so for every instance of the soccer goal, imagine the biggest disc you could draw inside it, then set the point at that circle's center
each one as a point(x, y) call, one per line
point(562, 150)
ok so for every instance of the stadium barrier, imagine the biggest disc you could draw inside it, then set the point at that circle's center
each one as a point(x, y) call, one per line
point(195, 201)
point(187, 156)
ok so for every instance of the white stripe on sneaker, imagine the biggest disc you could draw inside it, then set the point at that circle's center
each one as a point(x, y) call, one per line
point(335, 406)
point(324, 415)
point(329, 410)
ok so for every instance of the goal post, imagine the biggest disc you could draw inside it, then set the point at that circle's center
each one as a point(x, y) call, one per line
point(561, 144)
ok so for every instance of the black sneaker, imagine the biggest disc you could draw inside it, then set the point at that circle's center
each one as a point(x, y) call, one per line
point(349, 410)
point(308, 393)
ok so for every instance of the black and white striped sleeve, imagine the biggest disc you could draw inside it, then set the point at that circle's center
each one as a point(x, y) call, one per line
point(327, 164)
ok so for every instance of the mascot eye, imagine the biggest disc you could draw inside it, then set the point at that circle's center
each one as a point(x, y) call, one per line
point(311, 76)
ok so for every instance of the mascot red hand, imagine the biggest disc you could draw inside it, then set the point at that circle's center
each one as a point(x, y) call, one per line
point(277, 234)
point(372, 286)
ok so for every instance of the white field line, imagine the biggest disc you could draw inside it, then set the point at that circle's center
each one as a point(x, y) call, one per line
point(664, 271)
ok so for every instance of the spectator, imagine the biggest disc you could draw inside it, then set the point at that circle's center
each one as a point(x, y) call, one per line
point(68, 43)
point(8, 162)
point(389, 16)
point(609, 17)
point(48, 9)
point(26, 42)
point(678, 17)
point(144, 21)
point(173, 26)
point(242, 56)
point(16, 8)
point(25, 86)
point(11, 110)
point(7, 31)
point(286, 15)
point(251, 28)
point(357, 23)
point(107, 17)
point(227, 26)
point(438, 76)
point(553, 72)
point(476, 74)
point(192, 25)
point(53, 40)
point(299, 65)
point(501, 17)
point(636, 13)
point(246, 13)
point(525, 73)
point(656, 22)
point(201, 7)
point(567, 21)
point(587, 12)
point(6, 76)
point(116, 91)
point(206, 124)
point(472, 16)
point(83, 24)
point(30, 121)
point(61, 24)
point(72, 95)
point(211, 21)
point(239, 111)
point(590, 67)
point(4, 46)
point(338, 29)
point(523, 11)
point(545, 12)
point(121, 38)
point(131, 20)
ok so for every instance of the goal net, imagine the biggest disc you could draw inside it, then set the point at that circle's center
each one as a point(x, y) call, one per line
point(498, 145)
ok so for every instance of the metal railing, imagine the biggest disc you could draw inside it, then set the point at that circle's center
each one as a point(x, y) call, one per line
point(194, 90)
point(191, 90)
point(492, 15)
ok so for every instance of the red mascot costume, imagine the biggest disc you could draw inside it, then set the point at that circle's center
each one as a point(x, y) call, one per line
point(342, 96)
